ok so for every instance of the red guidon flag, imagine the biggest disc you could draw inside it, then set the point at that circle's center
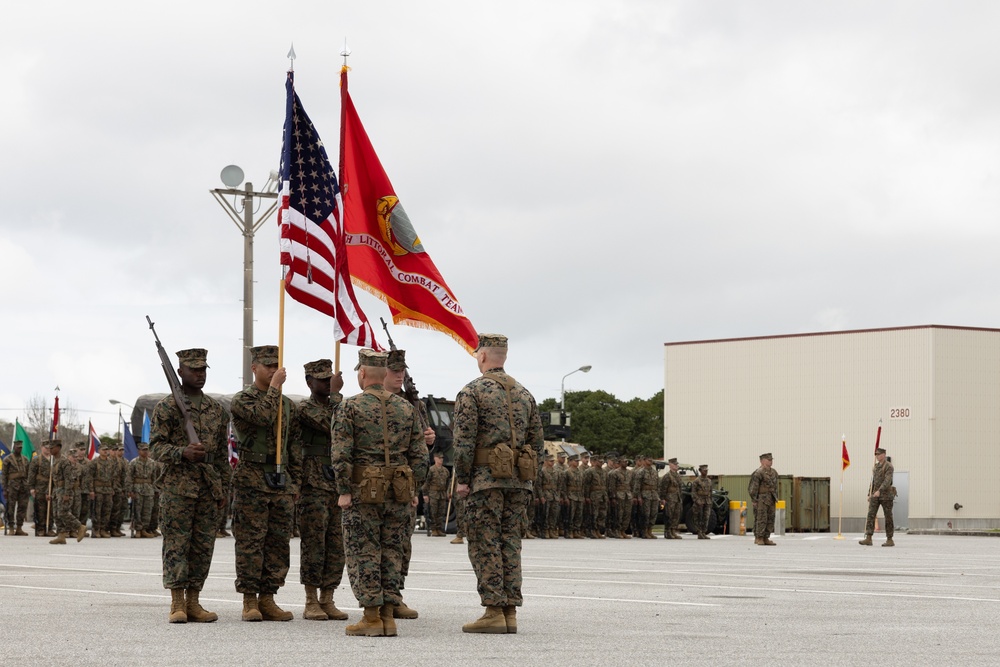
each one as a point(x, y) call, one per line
point(386, 255)
point(312, 237)
point(844, 456)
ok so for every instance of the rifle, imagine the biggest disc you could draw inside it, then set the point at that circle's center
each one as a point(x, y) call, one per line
point(175, 388)
point(409, 388)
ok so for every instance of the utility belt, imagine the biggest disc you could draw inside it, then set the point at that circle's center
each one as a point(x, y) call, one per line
point(648, 487)
point(255, 457)
point(507, 463)
point(381, 484)
point(317, 451)
point(102, 487)
point(18, 475)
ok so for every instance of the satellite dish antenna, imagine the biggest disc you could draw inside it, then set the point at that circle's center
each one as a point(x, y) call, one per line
point(232, 176)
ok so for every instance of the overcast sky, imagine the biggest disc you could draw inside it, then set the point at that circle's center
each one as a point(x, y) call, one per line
point(593, 178)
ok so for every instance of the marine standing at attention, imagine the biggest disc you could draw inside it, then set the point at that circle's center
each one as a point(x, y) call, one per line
point(498, 445)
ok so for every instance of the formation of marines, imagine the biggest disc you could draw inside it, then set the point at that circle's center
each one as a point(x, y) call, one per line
point(352, 469)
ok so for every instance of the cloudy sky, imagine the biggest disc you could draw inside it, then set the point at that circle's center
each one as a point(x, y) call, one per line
point(592, 178)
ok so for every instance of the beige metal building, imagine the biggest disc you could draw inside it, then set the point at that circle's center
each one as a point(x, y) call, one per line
point(936, 390)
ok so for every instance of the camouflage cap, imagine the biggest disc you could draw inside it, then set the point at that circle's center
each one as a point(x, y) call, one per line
point(371, 358)
point(18, 442)
point(54, 443)
point(879, 450)
point(492, 340)
point(703, 466)
point(549, 457)
point(397, 360)
point(264, 354)
point(196, 357)
point(766, 456)
point(321, 369)
point(584, 455)
point(575, 457)
point(674, 461)
point(143, 445)
point(561, 455)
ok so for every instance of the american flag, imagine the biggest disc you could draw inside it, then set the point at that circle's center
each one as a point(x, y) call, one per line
point(234, 454)
point(312, 235)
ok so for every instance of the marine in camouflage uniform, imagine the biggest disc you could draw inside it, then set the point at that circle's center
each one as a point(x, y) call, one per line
point(595, 490)
point(701, 498)
point(102, 472)
point(119, 500)
point(190, 482)
point(616, 481)
point(38, 486)
point(763, 491)
point(380, 458)
point(645, 495)
point(64, 488)
point(263, 512)
point(321, 551)
point(670, 495)
point(141, 475)
point(86, 483)
point(14, 478)
point(882, 494)
point(574, 497)
point(561, 468)
point(547, 488)
point(395, 379)
point(494, 412)
point(435, 492)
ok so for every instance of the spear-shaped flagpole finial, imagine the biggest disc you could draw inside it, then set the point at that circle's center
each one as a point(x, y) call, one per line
point(346, 52)
point(291, 57)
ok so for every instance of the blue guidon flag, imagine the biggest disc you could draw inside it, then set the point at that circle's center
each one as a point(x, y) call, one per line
point(312, 237)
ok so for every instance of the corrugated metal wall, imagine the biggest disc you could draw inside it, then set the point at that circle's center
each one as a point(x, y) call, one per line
point(935, 389)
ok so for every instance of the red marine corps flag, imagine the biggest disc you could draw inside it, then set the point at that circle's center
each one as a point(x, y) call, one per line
point(386, 255)
point(312, 236)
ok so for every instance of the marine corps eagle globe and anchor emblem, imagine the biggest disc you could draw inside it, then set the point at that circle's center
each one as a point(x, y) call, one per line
point(396, 228)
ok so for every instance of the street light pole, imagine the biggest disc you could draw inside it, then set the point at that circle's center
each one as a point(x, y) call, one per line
point(562, 393)
point(232, 176)
point(112, 401)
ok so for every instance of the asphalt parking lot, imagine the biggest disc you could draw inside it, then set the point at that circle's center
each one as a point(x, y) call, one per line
point(811, 600)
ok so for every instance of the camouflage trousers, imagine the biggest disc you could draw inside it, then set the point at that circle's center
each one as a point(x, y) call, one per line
point(373, 539)
point(575, 515)
point(624, 511)
point(188, 527)
point(83, 512)
point(763, 518)
point(408, 544)
point(42, 511)
point(551, 510)
point(227, 492)
point(17, 503)
point(154, 515)
point(495, 520)
point(699, 513)
point(142, 512)
point(648, 508)
point(102, 511)
point(436, 510)
point(672, 514)
point(599, 510)
point(119, 501)
point(262, 526)
point(321, 552)
point(66, 521)
point(459, 515)
point(886, 505)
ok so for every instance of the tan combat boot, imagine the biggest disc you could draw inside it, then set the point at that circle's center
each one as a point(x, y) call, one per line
point(271, 611)
point(60, 539)
point(769, 543)
point(402, 611)
point(326, 604)
point(867, 541)
point(888, 542)
point(758, 541)
point(105, 533)
point(251, 610)
point(195, 612)
point(81, 533)
point(677, 536)
point(458, 540)
point(20, 532)
point(178, 606)
point(313, 612)
point(386, 612)
point(370, 625)
point(510, 618)
point(491, 622)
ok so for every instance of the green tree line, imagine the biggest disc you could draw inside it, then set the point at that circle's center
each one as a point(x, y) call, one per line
point(603, 423)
